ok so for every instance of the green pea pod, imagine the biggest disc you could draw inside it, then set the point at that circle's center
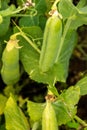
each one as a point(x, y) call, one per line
point(10, 59)
point(49, 121)
point(51, 40)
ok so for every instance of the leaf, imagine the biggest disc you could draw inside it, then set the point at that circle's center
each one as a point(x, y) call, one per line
point(4, 26)
point(29, 21)
point(60, 70)
point(7, 11)
point(15, 119)
point(77, 16)
point(34, 32)
point(3, 101)
point(1, 49)
point(81, 3)
point(40, 6)
point(56, 73)
point(65, 106)
point(49, 4)
point(2, 127)
point(28, 56)
point(71, 96)
point(83, 10)
point(73, 124)
point(42, 21)
point(37, 125)
point(85, 128)
point(61, 112)
point(35, 110)
point(9, 89)
point(53, 89)
point(66, 8)
point(4, 4)
point(30, 59)
point(65, 51)
point(78, 20)
point(82, 84)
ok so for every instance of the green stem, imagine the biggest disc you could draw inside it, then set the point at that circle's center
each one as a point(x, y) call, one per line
point(36, 125)
point(81, 121)
point(13, 14)
point(17, 11)
point(82, 50)
point(27, 39)
point(54, 7)
point(53, 90)
point(4, 13)
point(63, 37)
point(30, 42)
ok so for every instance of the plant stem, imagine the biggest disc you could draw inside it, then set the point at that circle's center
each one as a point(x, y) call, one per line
point(54, 7)
point(26, 38)
point(30, 42)
point(63, 37)
point(80, 121)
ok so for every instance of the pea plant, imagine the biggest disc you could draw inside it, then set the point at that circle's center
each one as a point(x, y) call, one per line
point(37, 39)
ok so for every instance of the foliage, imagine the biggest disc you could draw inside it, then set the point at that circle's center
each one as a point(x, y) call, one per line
point(25, 22)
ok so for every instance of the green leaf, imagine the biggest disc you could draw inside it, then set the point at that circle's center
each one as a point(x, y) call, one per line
point(61, 112)
point(81, 3)
point(82, 84)
point(77, 16)
point(2, 127)
point(83, 10)
point(49, 4)
point(78, 20)
point(1, 49)
point(35, 110)
point(7, 11)
point(85, 128)
point(73, 124)
point(4, 26)
point(9, 89)
point(66, 8)
point(65, 106)
point(42, 21)
point(29, 21)
point(34, 32)
point(56, 73)
point(65, 51)
point(30, 59)
point(53, 90)
point(37, 125)
point(28, 56)
point(4, 4)
point(40, 6)
point(3, 101)
point(15, 119)
point(60, 70)
point(71, 96)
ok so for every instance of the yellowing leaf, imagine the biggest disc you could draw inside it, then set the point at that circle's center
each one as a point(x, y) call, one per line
point(3, 100)
point(15, 119)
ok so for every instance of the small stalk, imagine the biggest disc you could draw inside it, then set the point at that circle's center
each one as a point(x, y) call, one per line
point(27, 39)
point(30, 42)
point(54, 7)
point(81, 121)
